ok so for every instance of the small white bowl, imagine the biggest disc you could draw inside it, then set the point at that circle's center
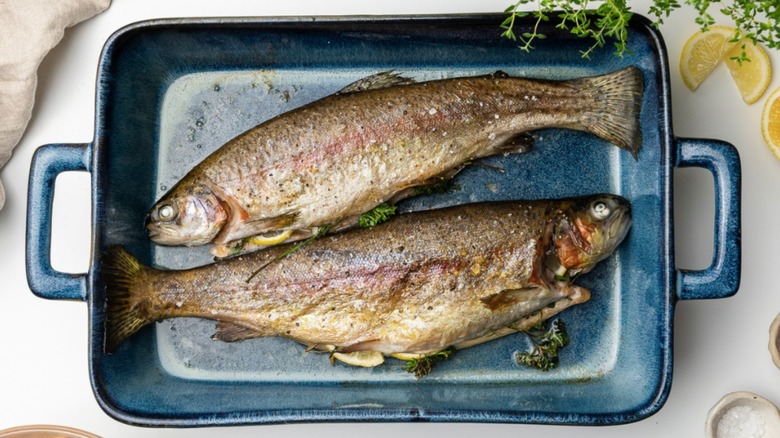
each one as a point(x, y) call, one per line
point(738, 413)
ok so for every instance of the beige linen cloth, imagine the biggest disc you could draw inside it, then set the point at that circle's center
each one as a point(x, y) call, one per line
point(28, 30)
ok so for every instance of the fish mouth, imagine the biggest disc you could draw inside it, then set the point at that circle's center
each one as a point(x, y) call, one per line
point(150, 227)
point(163, 234)
point(160, 236)
point(618, 227)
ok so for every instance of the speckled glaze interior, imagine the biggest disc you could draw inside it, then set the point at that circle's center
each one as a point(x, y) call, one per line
point(171, 91)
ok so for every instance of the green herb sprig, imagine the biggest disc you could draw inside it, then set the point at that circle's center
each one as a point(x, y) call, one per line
point(381, 213)
point(546, 345)
point(422, 366)
point(755, 20)
point(609, 20)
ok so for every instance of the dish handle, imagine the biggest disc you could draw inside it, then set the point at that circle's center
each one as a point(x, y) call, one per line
point(49, 161)
point(721, 279)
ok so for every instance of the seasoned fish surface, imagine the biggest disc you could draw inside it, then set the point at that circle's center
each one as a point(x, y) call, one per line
point(336, 158)
point(417, 284)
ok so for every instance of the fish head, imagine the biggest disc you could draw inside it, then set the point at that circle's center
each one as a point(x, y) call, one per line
point(590, 230)
point(190, 214)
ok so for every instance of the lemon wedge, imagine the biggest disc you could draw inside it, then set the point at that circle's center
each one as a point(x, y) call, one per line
point(751, 77)
point(706, 50)
point(272, 238)
point(770, 122)
point(703, 52)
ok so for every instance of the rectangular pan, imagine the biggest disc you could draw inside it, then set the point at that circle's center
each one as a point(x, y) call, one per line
point(171, 91)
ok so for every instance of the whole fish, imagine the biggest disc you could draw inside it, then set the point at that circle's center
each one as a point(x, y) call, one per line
point(329, 161)
point(417, 284)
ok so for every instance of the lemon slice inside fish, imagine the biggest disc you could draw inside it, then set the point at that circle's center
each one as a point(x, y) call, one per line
point(366, 359)
point(271, 238)
point(408, 356)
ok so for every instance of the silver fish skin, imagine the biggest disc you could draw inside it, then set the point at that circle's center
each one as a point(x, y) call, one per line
point(329, 161)
point(420, 283)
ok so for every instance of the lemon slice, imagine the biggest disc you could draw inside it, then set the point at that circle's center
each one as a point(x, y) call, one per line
point(770, 122)
point(703, 52)
point(408, 356)
point(366, 359)
point(272, 238)
point(751, 77)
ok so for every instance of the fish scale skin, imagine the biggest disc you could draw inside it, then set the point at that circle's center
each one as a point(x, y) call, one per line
point(415, 286)
point(329, 161)
point(345, 154)
point(421, 282)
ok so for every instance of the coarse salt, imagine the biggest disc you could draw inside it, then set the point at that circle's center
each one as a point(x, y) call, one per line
point(741, 422)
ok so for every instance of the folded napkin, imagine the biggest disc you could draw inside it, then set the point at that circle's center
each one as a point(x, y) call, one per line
point(30, 28)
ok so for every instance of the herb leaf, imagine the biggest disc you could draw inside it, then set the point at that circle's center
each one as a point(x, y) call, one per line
point(422, 366)
point(546, 344)
point(381, 213)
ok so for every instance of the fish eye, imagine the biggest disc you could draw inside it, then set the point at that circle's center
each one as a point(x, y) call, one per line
point(600, 210)
point(166, 212)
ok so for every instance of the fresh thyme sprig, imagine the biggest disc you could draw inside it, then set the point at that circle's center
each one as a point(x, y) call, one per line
point(422, 366)
point(609, 20)
point(381, 213)
point(546, 344)
point(755, 20)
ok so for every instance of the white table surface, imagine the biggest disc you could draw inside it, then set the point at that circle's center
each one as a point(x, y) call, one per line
point(720, 346)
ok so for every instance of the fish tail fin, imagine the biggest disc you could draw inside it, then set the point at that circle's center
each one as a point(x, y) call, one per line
point(127, 309)
point(615, 117)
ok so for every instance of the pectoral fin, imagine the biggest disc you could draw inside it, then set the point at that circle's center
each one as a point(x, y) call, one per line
point(240, 228)
point(371, 344)
point(576, 296)
point(518, 144)
point(230, 332)
point(510, 297)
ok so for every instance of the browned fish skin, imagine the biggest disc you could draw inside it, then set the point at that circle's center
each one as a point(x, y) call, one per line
point(331, 160)
point(417, 284)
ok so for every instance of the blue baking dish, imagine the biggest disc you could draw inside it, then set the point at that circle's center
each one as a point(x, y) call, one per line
point(171, 91)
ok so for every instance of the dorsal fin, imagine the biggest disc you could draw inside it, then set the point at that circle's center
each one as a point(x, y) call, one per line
point(384, 79)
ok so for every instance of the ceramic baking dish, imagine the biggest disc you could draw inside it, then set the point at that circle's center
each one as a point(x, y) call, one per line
point(171, 91)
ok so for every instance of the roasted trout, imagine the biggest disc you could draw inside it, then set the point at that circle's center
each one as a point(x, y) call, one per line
point(330, 161)
point(420, 283)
